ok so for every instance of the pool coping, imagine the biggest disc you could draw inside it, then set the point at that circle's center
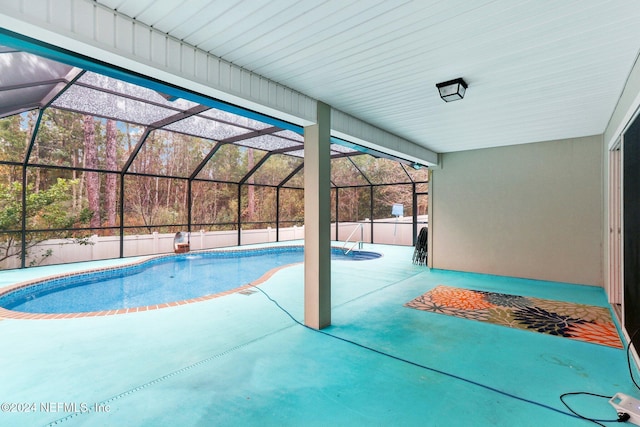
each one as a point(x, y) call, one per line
point(11, 314)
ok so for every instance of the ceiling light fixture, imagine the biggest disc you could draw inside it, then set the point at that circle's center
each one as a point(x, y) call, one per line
point(452, 90)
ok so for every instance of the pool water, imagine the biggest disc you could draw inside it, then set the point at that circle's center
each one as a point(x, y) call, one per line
point(160, 280)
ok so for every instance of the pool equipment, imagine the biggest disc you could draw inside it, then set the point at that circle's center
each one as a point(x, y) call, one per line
point(625, 404)
point(397, 210)
point(181, 242)
point(359, 243)
point(420, 252)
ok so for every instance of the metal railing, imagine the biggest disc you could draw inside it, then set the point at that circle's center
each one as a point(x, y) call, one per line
point(358, 243)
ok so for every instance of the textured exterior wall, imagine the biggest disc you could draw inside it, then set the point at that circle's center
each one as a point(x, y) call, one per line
point(534, 211)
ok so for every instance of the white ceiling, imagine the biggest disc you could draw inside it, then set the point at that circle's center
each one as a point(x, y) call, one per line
point(537, 70)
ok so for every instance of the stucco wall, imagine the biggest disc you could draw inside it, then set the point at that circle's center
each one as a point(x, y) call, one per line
point(533, 210)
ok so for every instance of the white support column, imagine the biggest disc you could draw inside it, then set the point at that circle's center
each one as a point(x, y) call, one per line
point(317, 220)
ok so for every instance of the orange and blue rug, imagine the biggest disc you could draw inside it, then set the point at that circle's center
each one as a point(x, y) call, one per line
point(564, 319)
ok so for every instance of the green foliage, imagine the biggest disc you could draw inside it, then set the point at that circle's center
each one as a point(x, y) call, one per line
point(46, 209)
point(11, 202)
point(13, 139)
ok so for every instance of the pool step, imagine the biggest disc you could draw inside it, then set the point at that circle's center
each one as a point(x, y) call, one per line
point(363, 255)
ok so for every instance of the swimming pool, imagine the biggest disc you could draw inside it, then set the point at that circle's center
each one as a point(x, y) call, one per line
point(161, 280)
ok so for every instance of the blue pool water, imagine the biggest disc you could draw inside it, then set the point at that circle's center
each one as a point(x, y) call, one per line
point(160, 280)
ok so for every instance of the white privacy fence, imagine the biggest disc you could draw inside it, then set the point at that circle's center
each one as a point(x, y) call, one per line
point(395, 231)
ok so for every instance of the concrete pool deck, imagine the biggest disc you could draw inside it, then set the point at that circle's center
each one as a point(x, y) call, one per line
point(240, 360)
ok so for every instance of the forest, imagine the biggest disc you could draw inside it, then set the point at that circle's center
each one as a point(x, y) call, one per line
point(85, 175)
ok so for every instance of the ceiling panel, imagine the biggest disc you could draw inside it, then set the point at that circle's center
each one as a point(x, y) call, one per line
point(271, 24)
point(134, 8)
point(537, 70)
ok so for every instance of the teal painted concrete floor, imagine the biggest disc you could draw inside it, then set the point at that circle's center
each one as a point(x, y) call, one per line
point(241, 361)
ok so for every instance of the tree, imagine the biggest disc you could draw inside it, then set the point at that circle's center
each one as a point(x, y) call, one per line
point(111, 179)
point(45, 209)
point(14, 137)
point(251, 200)
point(59, 142)
point(93, 179)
